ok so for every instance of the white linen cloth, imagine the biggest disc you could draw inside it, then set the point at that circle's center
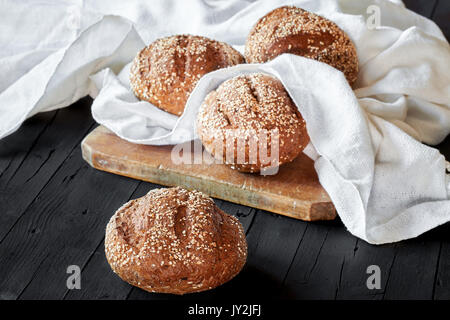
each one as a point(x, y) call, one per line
point(385, 184)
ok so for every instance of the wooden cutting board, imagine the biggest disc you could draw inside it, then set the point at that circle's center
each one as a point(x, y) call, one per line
point(294, 191)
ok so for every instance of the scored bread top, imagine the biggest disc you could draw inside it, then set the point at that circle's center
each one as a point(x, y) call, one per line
point(166, 72)
point(245, 107)
point(293, 30)
point(175, 241)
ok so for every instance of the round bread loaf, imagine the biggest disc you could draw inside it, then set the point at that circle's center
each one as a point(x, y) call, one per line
point(297, 31)
point(250, 123)
point(175, 241)
point(166, 72)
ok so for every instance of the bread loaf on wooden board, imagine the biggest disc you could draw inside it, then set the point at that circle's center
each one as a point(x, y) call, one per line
point(294, 191)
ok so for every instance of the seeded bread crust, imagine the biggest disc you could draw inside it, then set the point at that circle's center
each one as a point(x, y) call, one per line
point(233, 116)
point(175, 241)
point(166, 72)
point(293, 30)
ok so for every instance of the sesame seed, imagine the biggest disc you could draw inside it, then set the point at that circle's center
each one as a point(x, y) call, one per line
point(296, 30)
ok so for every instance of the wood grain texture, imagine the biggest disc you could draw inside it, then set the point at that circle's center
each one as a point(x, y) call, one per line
point(62, 227)
point(54, 208)
point(36, 152)
point(316, 271)
point(413, 270)
point(294, 191)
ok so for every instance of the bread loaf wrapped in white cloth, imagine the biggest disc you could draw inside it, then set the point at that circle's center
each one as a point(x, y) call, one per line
point(386, 185)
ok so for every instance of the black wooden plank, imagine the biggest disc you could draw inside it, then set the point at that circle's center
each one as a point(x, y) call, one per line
point(245, 214)
point(98, 281)
point(15, 147)
point(414, 268)
point(63, 226)
point(441, 16)
point(273, 242)
point(31, 169)
point(353, 284)
point(441, 290)
point(422, 7)
point(50, 235)
point(408, 269)
point(316, 270)
point(442, 279)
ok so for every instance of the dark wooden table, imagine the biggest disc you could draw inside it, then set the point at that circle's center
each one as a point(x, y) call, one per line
point(54, 209)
